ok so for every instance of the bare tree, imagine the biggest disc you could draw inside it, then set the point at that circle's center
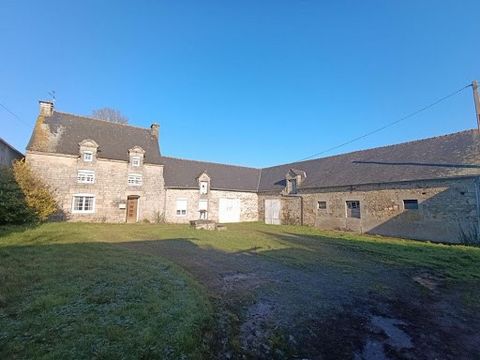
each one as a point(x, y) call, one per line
point(110, 114)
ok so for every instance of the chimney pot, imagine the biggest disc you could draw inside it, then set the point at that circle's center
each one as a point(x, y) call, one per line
point(154, 129)
point(46, 108)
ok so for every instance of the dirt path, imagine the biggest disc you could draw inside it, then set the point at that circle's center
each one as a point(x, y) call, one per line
point(352, 307)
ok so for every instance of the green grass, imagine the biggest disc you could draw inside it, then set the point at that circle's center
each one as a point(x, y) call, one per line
point(66, 291)
point(63, 295)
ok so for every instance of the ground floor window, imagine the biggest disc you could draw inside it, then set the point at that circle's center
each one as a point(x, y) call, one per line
point(83, 203)
point(411, 204)
point(353, 209)
point(181, 207)
point(203, 209)
point(322, 205)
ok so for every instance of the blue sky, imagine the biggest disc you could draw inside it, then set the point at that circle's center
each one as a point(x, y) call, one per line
point(246, 82)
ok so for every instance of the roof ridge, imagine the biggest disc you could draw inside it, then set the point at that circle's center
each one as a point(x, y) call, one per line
point(210, 162)
point(11, 146)
point(102, 120)
point(374, 148)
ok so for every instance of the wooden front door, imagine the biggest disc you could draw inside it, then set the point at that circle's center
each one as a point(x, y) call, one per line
point(132, 209)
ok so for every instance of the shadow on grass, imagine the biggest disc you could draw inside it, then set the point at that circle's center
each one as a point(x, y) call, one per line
point(96, 300)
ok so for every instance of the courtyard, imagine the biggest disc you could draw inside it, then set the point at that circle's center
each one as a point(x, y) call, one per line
point(72, 290)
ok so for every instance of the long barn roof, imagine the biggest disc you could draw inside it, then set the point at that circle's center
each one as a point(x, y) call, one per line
point(451, 155)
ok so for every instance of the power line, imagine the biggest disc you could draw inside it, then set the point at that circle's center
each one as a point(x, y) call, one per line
point(14, 115)
point(389, 124)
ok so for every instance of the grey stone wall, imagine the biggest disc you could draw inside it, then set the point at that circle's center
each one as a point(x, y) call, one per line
point(446, 208)
point(248, 204)
point(8, 155)
point(110, 188)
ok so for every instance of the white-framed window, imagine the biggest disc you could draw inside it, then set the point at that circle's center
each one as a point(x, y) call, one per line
point(135, 179)
point(136, 161)
point(203, 187)
point(203, 209)
point(83, 204)
point(87, 156)
point(86, 176)
point(353, 209)
point(181, 206)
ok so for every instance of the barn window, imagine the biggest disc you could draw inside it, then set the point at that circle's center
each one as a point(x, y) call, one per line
point(135, 179)
point(181, 207)
point(322, 205)
point(83, 203)
point(135, 161)
point(203, 187)
point(411, 204)
point(292, 186)
point(88, 156)
point(86, 176)
point(353, 209)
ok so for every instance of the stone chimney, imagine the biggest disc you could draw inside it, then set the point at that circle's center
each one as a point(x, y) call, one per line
point(154, 130)
point(46, 108)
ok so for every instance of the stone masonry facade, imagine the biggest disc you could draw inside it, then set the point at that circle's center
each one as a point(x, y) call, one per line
point(104, 172)
point(248, 204)
point(447, 209)
point(110, 187)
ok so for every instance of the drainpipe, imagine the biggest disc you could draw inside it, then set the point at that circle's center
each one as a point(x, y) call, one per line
point(301, 210)
point(477, 195)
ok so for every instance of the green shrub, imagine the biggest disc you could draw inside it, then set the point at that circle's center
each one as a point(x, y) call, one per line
point(13, 209)
point(38, 195)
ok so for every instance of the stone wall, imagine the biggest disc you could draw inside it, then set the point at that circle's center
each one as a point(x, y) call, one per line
point(248, 204)
point(110, 188)
point(290, 208)
point(8, 154)
point(446, 208)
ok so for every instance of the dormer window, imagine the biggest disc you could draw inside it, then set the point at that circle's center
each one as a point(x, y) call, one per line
point(88, 149)
point(136, 156)
point(203, 183)
point(292, 186)
point(203, 187)
point(294, 179)
point(88, 156)
point(136, 161)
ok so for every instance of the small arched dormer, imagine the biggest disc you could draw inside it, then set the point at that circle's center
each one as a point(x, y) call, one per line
point(136, 156)
point(88, 149)
point(203, 183)
point(294, 179)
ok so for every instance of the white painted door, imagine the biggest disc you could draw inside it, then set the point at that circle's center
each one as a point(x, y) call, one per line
point(229, 210)
point(272, 211)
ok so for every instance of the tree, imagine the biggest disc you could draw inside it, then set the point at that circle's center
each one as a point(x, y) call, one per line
point(14, 209)
point(38, 196)
point(110, 114)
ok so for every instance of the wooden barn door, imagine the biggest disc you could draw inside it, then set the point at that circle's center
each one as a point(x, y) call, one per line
point(132, 209)
point(272, 211)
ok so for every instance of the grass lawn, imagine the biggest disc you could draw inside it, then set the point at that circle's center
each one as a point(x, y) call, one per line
point(67, 290)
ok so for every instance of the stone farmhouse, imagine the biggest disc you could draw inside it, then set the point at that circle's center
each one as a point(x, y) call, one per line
point(102, 171)
point(8, 153)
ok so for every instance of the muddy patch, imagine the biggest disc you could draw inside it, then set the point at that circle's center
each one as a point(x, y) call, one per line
point(428, 280)
point(256, 330)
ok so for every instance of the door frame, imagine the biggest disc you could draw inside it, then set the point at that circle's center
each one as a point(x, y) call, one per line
point(270, 210)
point(137, 198)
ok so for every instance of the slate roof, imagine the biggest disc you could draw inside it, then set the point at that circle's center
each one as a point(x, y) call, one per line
point(11, 147)
point(438, 157)
point(181, 173)
point(61, 133)
point(445, 156)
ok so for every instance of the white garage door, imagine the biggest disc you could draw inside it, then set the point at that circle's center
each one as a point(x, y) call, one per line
point(272, 211)
point(229, 210)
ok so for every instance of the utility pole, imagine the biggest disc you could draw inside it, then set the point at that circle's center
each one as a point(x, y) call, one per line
point(476, 100)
